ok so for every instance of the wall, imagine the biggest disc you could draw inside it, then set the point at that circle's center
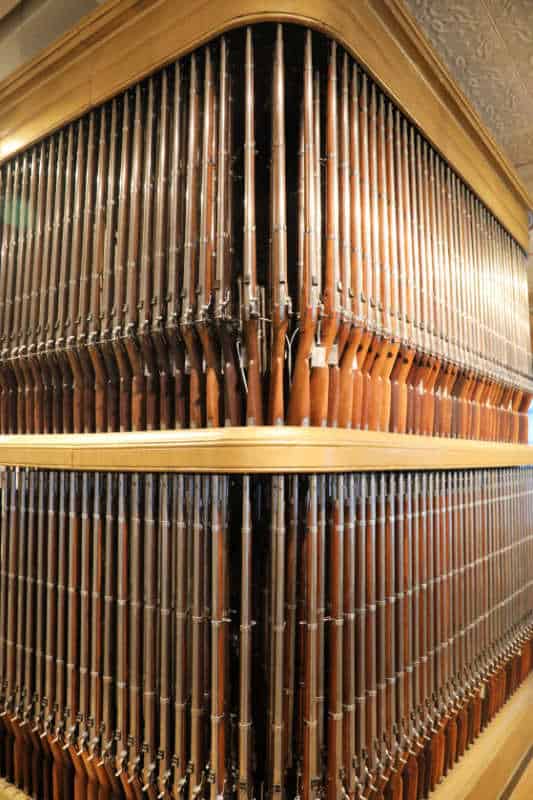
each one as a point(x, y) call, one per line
point(29, 26)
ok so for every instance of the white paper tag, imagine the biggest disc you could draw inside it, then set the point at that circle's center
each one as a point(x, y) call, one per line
point(318, 356)
point(333, 358)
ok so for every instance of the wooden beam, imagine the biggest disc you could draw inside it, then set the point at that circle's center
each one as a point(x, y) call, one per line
point(256, 450)
point(489, 765)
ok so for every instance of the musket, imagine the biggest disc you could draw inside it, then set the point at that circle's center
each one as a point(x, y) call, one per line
point(19, 420)
point(91, 685)
point(205, 290)
point(103, 347)
point(217, 770)
point(416, 509)
point(107, 736)
point(137, 220)
point(382, 643)
point(299, 412)
point(164, 653)
point(21, 752)
point(292, 638)
point(251, 300)
point(448, 641)
point(413, 747)
point(377, 396)
point(435, 359)
point(366, 124)
point(423, 368)
point(391, 342)
point(4, 255)
point(463, 386)
point(4, 616)
point(9, 386)
point(197, 749)
point(139, 569)
point(364, 334)
point(159, 258)
point(401, 390)
point(34, 387)
point(391, 717)
point(440, 716)
point(324, 381)
point(149, 674)
point(245, 776)
point(62, 196)
point(431, 744)
point(224, 299)
point(61, 296)
point(335, 751)
point(75, 628)
point(40, 776)
point(310, 767)
point(176, 207)
point(447, 376)
point(321, 589)
point(369, 498)
point(56, 727)
point(146, 393)
point(279, 298)
point(79, 730)
point(116, 260)
point(26, 300)
point(16, 547)
point(183, 542)
point(404, 769)
point(456, 295)
point(349, 639)
point(361, 737)
point(124, 632)
point(80, 290)
point(98, 302)
point(400, 605)
point(480, 384)
point(276, 767)
point(350, 332)
point(417, 272)
point(194, 365)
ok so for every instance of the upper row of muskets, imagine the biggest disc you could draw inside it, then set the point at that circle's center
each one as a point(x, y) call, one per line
point(122, 282)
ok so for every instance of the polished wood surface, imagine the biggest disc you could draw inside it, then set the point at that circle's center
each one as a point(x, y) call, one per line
point(488, 766)
point(256, 450)
point(126, 39)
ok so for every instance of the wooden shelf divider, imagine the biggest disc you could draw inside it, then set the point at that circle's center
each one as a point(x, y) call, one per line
point(256, 450)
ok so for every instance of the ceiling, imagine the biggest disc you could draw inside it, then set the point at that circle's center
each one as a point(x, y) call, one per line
point(487, 45)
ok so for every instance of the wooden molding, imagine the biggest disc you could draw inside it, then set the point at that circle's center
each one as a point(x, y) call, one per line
point(123, 40)
point(256, 450)
point(487, 768)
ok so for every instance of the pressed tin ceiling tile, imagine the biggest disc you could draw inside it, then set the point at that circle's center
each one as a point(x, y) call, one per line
point(488, 47)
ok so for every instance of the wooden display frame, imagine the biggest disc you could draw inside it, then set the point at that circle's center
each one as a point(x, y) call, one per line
point(124, 40)
point(256, 450)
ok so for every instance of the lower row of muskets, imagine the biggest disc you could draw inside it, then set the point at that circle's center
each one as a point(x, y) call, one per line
point(197, 636)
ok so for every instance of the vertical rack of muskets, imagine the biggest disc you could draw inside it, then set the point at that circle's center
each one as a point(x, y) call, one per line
point(256, 235)
point(187, 636)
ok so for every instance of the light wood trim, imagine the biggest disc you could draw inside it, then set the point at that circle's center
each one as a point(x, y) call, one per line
point(123, 40)
point(262, 449)
point(489, 765)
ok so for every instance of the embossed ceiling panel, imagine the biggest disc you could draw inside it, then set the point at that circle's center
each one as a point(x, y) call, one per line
point(488, 47)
